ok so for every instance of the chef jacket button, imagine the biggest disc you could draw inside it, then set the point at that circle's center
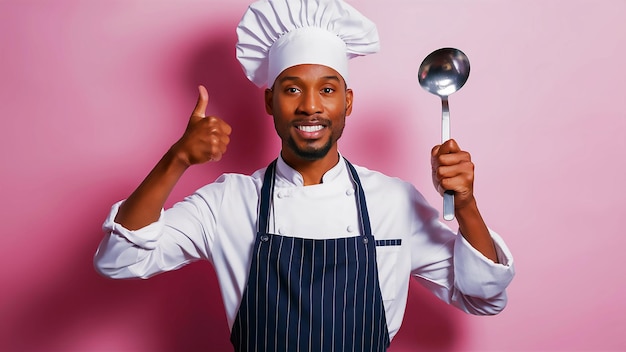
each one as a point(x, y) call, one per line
point(265, 238)
point(281, 194)
point(350, 228)
point(349, 192)
point(281, 231)
point(365, 240)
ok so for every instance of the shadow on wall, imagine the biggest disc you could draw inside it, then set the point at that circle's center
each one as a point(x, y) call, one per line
point(429, 324)
point(180, 311)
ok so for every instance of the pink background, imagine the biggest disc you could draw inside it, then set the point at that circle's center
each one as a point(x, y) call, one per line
point(92, 94)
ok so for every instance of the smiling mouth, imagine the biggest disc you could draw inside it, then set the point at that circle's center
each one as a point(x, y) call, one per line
point(314, 128)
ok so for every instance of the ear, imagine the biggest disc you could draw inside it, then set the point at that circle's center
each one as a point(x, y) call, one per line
point(349, 98)
point(269, 101)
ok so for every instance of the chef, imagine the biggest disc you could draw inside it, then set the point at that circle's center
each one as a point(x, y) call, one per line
point(312, 253)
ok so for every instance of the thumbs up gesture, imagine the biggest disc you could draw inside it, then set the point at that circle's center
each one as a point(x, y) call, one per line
point(205, 138)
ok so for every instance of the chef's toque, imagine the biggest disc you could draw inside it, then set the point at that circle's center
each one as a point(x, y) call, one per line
point(274, 35)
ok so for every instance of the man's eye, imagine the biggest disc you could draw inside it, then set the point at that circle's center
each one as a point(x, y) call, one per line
point(293, 90)
point(327, 90)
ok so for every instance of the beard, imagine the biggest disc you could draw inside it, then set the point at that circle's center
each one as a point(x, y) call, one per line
point(311, 153)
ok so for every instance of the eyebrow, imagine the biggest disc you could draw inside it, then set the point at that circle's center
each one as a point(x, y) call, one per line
point(296, 78)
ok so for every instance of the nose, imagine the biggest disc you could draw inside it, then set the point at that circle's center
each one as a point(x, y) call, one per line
point(310, 103)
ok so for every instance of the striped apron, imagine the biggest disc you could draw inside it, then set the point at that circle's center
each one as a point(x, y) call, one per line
point(311, 295)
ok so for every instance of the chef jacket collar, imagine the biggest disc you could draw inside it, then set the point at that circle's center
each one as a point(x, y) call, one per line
point(287, 176)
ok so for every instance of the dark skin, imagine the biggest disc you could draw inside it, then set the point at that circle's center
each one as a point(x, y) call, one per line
point(309, 104)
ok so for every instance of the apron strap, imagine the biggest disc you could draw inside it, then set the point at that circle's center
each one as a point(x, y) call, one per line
point(266, 196)
point(268, 188)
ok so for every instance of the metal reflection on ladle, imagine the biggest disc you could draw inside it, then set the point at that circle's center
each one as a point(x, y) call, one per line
point(443, 72)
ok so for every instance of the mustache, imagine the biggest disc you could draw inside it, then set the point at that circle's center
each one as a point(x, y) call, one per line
point(312, 120)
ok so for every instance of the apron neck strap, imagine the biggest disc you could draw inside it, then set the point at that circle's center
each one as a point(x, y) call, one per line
point(266, 195)
point(268, 189)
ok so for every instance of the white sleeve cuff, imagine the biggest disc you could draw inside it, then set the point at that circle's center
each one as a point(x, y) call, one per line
point(146, 237)
point(478, 276)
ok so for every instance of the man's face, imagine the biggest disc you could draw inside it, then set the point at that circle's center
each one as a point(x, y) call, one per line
point(309, 104)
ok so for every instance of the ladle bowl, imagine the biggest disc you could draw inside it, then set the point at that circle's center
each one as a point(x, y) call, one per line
point(444, 71)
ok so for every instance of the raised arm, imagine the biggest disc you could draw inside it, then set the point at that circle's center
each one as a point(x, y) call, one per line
point(452, 169)
point(205, 139)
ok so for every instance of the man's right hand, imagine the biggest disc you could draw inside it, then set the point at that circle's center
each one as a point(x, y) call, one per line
point(205, 138)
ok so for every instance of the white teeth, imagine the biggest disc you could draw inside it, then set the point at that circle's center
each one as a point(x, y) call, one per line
point(310, 128)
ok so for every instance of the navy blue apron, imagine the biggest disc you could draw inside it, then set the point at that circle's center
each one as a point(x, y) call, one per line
point(311, 295)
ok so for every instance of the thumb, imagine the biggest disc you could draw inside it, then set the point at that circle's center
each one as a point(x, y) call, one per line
point(203, 101)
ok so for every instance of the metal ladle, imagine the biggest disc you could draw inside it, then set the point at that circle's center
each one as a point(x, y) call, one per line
point(443, 72)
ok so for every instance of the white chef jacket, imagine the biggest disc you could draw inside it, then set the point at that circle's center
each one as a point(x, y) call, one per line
point(219, 223)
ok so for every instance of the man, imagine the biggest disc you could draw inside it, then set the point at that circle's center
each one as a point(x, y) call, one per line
point(312, 253)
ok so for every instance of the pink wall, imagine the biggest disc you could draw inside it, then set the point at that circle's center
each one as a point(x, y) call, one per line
point(92, 93)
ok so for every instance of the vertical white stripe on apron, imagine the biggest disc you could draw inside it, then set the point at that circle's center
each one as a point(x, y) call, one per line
point(289, 306)
point(354, 310)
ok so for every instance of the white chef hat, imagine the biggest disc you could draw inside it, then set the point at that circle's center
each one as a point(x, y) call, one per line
point(274, 35)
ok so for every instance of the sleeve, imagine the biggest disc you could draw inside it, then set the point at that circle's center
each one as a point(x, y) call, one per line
point(182, 234)
point(448, 266)
point(468, 262)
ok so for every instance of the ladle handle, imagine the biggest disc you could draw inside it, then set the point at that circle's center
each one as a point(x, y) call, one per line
point(448, 196)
